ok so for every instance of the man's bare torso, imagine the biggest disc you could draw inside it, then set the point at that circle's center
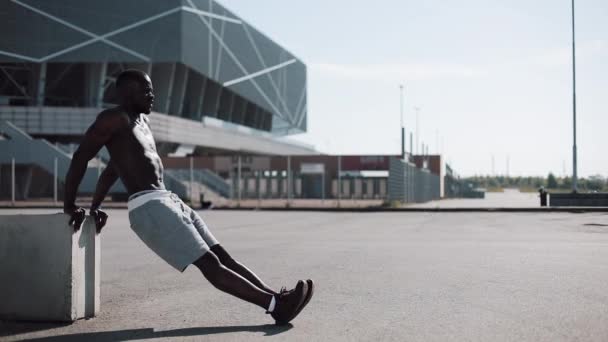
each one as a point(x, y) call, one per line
point(133, 152)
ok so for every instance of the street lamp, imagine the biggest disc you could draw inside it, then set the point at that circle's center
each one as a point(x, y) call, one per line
point(574, 164)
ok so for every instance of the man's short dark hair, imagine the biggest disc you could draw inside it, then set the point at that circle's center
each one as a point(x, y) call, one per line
point(130, 75)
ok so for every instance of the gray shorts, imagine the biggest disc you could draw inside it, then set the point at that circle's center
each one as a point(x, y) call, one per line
point(169, 227)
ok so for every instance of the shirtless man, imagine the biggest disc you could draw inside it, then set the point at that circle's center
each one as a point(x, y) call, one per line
point(163, 222)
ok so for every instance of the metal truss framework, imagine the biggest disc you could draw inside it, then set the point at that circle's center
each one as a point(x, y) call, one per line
point(280, 109)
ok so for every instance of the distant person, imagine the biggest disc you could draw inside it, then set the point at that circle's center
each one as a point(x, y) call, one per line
point(543, 196)
point(161, 220)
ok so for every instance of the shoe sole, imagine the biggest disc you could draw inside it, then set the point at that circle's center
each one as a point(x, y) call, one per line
point(311, 290)
point(297, 311)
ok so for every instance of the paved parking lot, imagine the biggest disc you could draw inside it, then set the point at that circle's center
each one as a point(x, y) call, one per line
point(509, 198)
point(380, 276)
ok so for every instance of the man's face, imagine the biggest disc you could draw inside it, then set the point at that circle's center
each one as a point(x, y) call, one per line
point(143, 96)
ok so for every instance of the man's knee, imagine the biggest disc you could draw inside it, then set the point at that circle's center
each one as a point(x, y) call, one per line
point(209, 264)
point(223, 255)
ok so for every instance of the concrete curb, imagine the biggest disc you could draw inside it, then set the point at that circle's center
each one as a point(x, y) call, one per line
point(370, 209)
point(456, 210)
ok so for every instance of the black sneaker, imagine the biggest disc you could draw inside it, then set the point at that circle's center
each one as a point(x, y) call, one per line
point(288, 302)
point(311, 290)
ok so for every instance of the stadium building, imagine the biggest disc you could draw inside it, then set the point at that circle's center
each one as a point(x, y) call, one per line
point(221, 86)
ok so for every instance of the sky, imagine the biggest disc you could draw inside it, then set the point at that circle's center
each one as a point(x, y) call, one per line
point(492, 80)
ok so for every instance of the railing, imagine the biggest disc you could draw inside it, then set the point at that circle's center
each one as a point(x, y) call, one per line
point(21, 148)
point(202, 176)
point(215, 182)
point(174, 184)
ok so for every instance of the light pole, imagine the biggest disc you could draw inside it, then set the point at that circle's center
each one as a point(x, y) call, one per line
point(417, 109)
point(402, 128)
point(436, 141)
point(574, 164)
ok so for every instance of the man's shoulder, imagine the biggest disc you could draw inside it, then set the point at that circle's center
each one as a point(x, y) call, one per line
point(113, 116)
point(109, 113)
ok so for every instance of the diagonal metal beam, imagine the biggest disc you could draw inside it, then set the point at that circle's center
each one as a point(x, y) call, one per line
point(15, 83)
point(81, 30)
point(118, 31)
point(302, 116)
point(211, 15)
point(15, 55)
point(103, 38)
point(259, 73)
point(272, 82)
point(58, 78)
point(237, 62)
point(300, 102)
point(210, 42)
point(218, 60)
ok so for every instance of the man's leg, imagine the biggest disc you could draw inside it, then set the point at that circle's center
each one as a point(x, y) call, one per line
point(230, 282)
point(239, 268)
point(221, 253)
point(230, 276)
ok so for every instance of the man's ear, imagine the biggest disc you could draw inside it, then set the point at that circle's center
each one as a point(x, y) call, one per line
point(120, 93)
point(130, 91)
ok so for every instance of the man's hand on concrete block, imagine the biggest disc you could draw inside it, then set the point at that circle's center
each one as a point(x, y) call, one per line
point(100, 218)
point(77, 215)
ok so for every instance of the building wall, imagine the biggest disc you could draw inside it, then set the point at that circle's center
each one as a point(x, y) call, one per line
point(267, 176)
point(263, 163)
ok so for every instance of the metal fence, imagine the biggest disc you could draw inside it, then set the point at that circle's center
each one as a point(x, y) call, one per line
point(409, 184)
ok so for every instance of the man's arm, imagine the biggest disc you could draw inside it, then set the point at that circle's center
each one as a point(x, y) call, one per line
point(96, 136)
point(107, 178)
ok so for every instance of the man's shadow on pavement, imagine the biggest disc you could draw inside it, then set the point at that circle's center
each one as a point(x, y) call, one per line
point(149, 333)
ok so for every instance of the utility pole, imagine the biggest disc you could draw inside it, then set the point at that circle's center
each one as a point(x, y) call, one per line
point(411, 144)
point(417, 131)
point(436, 141)
point(574, 163)
point(402, 128)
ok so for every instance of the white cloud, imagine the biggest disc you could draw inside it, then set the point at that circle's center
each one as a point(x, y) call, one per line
point(397, 72)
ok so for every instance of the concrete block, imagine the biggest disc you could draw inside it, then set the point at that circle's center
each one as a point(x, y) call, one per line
point(48, 272)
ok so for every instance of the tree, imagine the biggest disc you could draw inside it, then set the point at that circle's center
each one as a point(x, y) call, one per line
point(566, 183)
point(595, 182)
point(551, 181)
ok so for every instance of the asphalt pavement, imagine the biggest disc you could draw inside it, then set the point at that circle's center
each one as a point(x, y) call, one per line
point(380, 277)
